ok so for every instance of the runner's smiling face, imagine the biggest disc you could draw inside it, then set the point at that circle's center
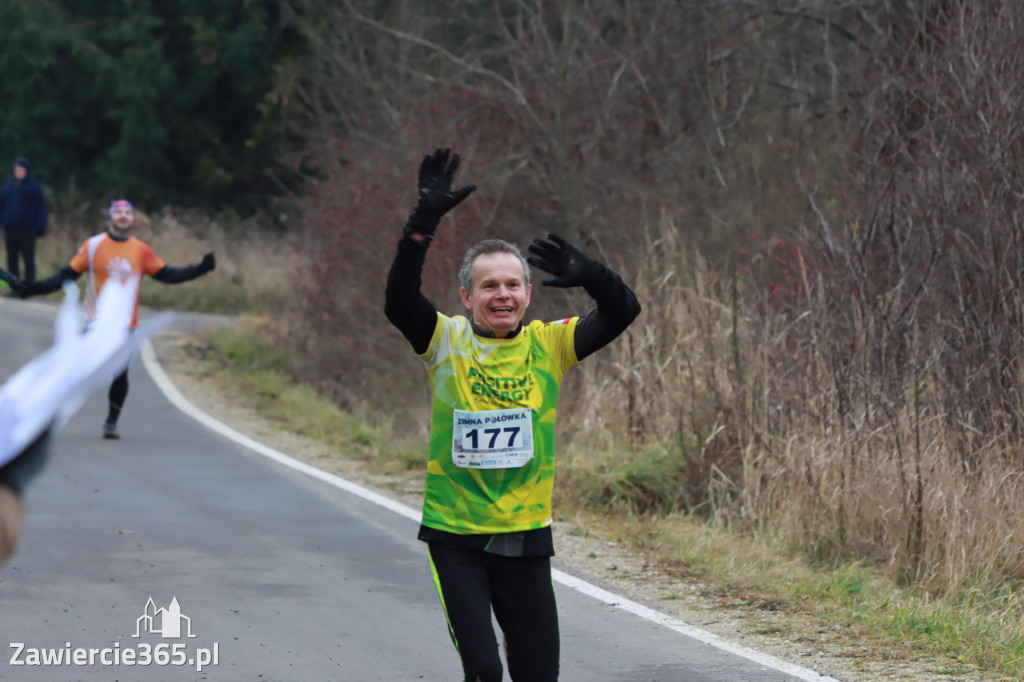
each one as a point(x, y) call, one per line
point(121, 221)
point(500, 294)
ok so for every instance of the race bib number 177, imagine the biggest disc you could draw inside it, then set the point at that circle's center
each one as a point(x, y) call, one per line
point(493, 439)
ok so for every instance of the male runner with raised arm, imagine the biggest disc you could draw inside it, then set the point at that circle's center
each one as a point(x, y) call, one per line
point(116, 253)
point(487, 503)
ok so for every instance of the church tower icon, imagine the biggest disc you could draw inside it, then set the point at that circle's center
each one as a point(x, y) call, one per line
point(164, 622)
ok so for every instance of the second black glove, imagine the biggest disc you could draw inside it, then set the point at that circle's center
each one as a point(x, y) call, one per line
point(208, 263)
point(558, 257)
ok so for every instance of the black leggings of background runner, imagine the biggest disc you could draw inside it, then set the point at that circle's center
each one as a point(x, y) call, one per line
point(116, 396)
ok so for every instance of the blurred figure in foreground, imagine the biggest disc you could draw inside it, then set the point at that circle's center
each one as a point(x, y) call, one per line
point(40, 397)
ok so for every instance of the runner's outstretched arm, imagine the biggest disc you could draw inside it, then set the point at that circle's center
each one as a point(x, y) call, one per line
point(617, 305)
point(404, 304)
point(176, 275)
point(51, 283)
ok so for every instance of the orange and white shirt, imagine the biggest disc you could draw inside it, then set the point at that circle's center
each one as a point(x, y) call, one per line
point(105, 257)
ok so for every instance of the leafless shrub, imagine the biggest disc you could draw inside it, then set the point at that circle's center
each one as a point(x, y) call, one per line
point(910, 312)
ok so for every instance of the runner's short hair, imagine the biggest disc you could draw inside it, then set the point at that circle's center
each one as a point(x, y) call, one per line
point(484, 248)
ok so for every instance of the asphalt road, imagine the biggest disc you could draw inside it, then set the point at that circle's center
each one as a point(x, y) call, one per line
point(280, 575)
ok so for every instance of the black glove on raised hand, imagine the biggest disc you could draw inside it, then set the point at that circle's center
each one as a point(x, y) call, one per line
point(435, 193)
point(563, 260)
point(208, 263)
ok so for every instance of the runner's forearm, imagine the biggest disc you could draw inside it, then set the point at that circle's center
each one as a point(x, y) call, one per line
point(170, 274)
point(404, 304)
point(55, 281)
point(617, 307)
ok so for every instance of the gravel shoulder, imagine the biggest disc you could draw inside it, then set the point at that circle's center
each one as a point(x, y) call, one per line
point(832, 650)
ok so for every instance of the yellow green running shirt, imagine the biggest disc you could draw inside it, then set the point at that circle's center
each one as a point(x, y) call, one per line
point(481, 477)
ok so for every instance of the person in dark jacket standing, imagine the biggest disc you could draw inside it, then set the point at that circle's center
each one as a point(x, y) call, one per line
point(23, 218)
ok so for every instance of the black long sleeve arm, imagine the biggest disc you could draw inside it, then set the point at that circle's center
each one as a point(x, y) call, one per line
point(404, 304)
point(616, 309)
point(55, 281)
point(170, 274)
